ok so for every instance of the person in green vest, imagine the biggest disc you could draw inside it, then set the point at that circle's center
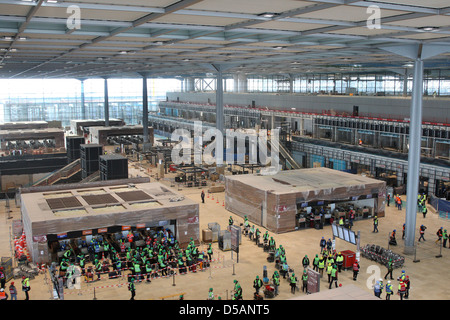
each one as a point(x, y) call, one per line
point(266, 237)
point(210, 294)
point(118, 264)
point(334, 277)
point(272, 244)
point(316, 263)
point(444, 238)
point(339, 261)
point(137, 270)
point(82, 263)
point(329, 269)
point(98, 269)
point(389, 290)
point(375, 224)
point(67, 254)
point(276, 281)
point(181, 266)
point(237, 290)
point(257, 236)
point(26, 286)
point(330, 259)
point(163, 268)
point(105, 249)
point(257, 284)
point(230, 221)
point(200, 260)
point(293, 282)
point(246, 225)
point(252, 232)
point(305, 281)
point(305, 262)
point(390, 268)
point(148, 270)
point(321, 266)
point(132, 288)
point(209, 252)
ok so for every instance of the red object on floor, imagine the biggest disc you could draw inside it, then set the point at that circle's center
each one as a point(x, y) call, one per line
point(349, 259)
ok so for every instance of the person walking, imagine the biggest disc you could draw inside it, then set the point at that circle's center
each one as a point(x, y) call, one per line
point(439, 234)
point(356, 268)
point(305, 262)
point(132, 288)
point(202, 195)
point(390, 268)
point(375, 224)
point(444, 238)
point(322, 244)
point(422, 232)
point(403, 232)
point(13, 291)
point(334, 277)
point(329, 269)
point(388, 199)
point(316, 263)
point(424, 211)
point(257, 284)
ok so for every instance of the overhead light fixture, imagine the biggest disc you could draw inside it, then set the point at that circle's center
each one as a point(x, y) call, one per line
point(13, 50)
point(408, 65)
point(52, 1)
point(186, 60)
point(268, 14)
point(278, 48)
point(429, 28)
point(123, 52)
point(22, 38)
point(7, 38)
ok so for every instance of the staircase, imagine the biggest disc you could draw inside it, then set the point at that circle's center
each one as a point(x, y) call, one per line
point(59, 175)
point(91, 178)
point(285, 154)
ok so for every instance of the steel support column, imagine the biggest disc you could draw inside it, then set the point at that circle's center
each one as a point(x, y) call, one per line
point(106, 99)
point(145, 108)
point(83, 103)
point(412, 187)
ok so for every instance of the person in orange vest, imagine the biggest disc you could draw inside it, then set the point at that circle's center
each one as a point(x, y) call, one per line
point(401, 289)
point(360, 142)
point(3, 294)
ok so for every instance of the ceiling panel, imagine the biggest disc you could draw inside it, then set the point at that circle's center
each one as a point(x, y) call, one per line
point(88, 14)
point(250, 6)
point(434, 21)
point(290, 26)
point(197, 20)
point(347, 13)
point(419, 3)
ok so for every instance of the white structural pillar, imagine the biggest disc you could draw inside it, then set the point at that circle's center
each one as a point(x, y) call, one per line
point(220, 117)
point(145, 108)
point(417, 52)
point(83, 102)
point(242, 85)
point(106, 99)
point(415, 131)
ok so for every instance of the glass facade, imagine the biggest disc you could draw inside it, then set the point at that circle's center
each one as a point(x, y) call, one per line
point(60, 99)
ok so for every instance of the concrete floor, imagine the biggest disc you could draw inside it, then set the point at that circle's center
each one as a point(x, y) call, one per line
point(429, 277)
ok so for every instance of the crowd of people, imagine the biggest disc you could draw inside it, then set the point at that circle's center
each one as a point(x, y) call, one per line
point(161, 256)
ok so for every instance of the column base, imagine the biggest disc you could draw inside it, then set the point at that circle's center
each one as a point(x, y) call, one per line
point(409, 250)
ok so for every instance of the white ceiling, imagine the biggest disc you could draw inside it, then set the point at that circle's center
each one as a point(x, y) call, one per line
point(159, 36)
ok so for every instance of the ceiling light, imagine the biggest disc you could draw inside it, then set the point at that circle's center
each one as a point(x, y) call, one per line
point(8, 38)
point(22, 38)
point(408, 65)
point(278, 48)
point(429, 28)
point(52, 1)
point(123, 52)
point(186, 60)
point(267, 14)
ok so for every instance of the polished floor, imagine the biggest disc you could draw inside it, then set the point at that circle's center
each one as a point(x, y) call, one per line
point(429, 275)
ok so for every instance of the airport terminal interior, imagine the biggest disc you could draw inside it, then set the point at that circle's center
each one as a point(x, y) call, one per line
point(224, 150)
